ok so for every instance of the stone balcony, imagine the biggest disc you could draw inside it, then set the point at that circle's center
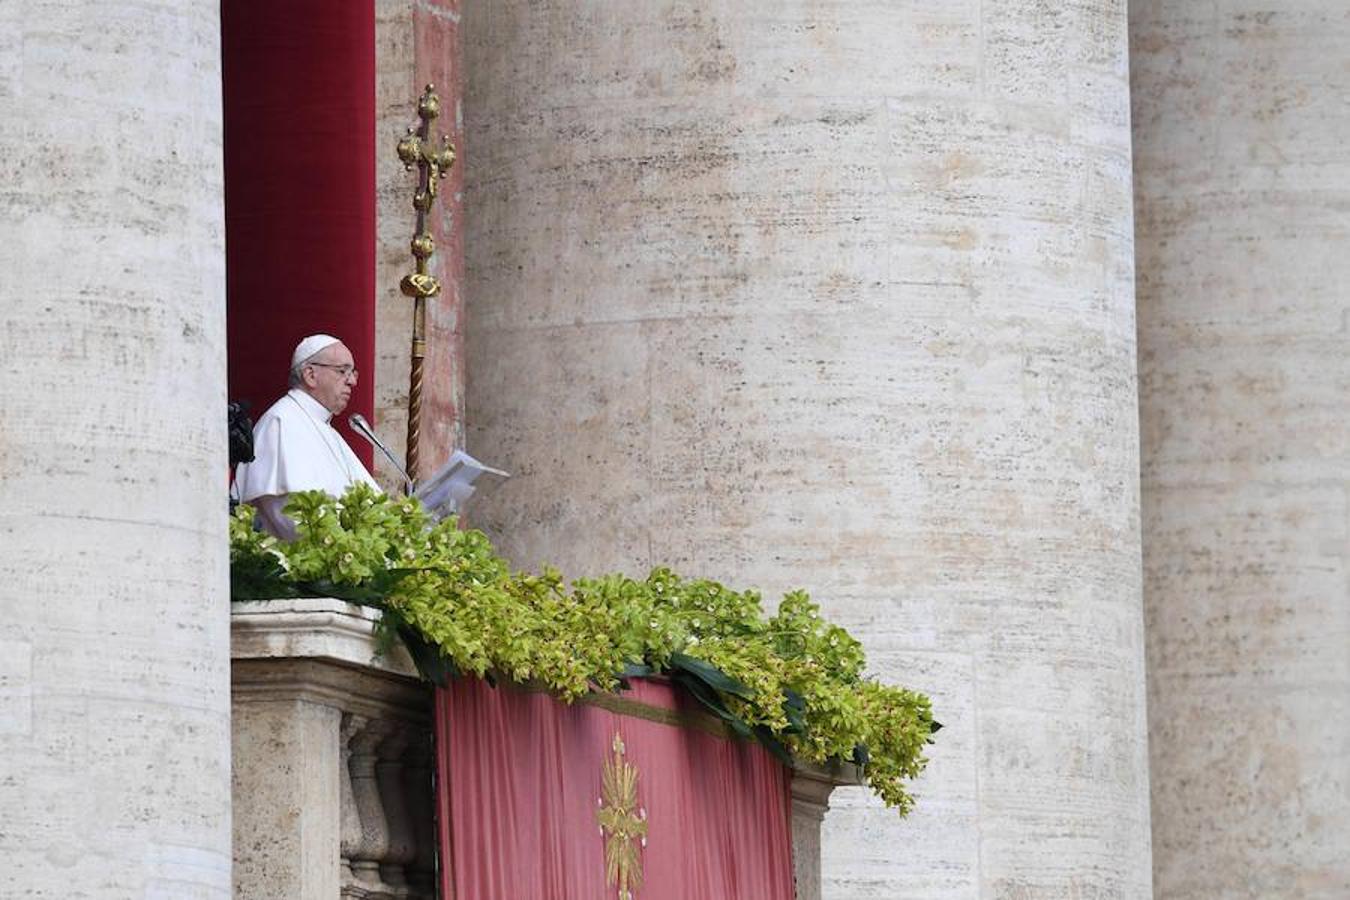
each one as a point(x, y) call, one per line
point(332, 758)
point(333, 762)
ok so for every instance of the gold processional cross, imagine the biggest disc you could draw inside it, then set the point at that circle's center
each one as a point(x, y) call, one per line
point(416, 149)
point(622, 822)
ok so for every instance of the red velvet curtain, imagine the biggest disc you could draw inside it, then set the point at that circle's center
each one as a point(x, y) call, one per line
point(299, 102)
point(526, 798)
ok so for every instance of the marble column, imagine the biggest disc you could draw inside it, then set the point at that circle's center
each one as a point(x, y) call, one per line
point(1242, 175)
point(114, 655)
point(840, 296)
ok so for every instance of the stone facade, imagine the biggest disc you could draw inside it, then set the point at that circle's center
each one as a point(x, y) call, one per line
point(840, 296)
point(114, 654)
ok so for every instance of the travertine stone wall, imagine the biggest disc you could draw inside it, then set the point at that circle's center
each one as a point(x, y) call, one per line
point(416, 45)
point(114, 653)
point(839, 295)
point(1242, 177)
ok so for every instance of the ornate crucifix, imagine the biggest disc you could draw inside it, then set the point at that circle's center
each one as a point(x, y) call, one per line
point(416, 149)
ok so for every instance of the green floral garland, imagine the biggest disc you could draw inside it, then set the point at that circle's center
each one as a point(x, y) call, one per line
point(792, 681)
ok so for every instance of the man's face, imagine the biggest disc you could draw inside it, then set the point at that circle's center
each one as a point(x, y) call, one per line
point(330, 376)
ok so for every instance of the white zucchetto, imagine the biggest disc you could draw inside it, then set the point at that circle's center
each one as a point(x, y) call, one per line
point(310, 346)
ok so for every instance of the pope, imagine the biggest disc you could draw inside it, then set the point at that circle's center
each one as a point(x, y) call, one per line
point(295, 448)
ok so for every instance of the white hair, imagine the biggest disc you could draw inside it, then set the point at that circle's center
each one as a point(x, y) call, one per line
point(296, 379)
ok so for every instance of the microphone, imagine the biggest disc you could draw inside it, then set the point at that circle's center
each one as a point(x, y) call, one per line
point(362, 427)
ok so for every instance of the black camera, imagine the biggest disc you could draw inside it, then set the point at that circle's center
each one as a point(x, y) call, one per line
point(241, 433)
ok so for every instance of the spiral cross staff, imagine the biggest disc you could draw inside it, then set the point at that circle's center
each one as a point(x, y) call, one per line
point(416, 149)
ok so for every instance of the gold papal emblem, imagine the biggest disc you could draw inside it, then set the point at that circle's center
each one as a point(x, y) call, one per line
point(622, 822)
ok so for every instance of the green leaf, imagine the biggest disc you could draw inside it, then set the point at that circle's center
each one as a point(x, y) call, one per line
point(708, 697)
point(794, 708)
point(258, 580)
point(430, 662)
point(773, 745)
point(386, 580)
point(710, 675)
point(352, 593)
point(633, 670)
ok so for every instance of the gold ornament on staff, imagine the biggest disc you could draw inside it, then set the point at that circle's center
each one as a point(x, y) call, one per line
point(416, 149)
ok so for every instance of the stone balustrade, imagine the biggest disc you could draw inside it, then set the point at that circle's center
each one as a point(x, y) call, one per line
point(333, 760)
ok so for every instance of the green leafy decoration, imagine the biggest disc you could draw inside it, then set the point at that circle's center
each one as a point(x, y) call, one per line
point(792, 680)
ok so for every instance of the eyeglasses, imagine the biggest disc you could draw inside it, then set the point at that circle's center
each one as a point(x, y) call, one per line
point(344, 372)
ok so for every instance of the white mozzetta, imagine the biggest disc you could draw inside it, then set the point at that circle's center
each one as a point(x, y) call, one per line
point(840, 296)
point(114, 690)
point(1242, 137)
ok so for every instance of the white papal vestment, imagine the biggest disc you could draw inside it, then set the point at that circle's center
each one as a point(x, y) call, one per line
point(295, 449)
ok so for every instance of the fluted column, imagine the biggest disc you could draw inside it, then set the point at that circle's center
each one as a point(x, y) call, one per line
point(839, 296)
point(114, 672)
point(1243, 183)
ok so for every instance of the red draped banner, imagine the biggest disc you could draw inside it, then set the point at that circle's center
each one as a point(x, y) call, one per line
point(637, 790)
point(299, 105)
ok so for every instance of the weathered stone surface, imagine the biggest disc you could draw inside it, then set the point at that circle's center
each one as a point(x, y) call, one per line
point(811, 787)
point(1243, 186)
point(417, 44)
point(315, 628)
point(287, 820)
point(114, 685)
point(301, 670)
point(840, 295)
